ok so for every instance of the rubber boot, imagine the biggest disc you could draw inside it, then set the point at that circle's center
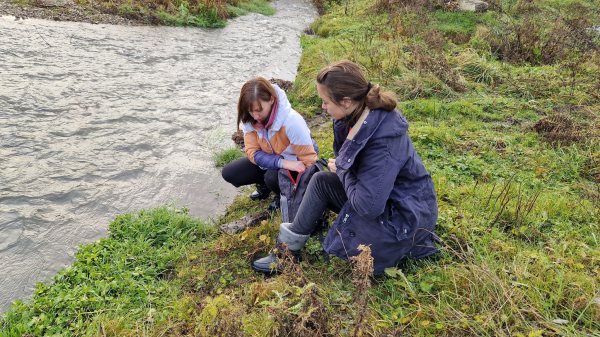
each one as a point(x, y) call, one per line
point(274, 205)
point(273, 263)
point(262, 192)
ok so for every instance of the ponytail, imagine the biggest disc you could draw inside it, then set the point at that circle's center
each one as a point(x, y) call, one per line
point(380, 100)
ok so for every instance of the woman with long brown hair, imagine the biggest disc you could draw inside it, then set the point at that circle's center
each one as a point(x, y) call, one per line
point(275, 137)
point(377, 184)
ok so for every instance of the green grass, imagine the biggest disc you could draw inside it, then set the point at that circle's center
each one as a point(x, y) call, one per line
point(256, 6)
point(519, 209)
point(205, 18)
point(120, 282)
point(189, 13)
point(226, 156)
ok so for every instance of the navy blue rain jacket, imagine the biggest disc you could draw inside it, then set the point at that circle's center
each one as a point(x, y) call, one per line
point(391, 197)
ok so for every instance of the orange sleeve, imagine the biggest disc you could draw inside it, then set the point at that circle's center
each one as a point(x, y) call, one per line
point(251, 145)
point(306, 154)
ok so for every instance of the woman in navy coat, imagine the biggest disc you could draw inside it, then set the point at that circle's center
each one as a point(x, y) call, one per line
point(377, 184)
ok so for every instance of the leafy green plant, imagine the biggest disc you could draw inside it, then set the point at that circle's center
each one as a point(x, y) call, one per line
point(124, 275)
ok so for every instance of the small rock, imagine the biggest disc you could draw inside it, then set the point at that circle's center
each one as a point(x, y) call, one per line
point(54, 3)
point(473, 5)
point(560, 321)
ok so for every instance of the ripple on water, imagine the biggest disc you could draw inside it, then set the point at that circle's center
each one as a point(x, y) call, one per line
point(98, 120)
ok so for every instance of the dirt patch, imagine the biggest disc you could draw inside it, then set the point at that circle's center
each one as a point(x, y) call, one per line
point(71, 11)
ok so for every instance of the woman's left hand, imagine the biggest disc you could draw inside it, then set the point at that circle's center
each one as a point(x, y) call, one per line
point(331, 165)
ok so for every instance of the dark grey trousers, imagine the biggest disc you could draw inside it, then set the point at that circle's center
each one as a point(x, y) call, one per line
point(324, 191)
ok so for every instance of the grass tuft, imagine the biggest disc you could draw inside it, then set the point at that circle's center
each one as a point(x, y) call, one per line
point(227, 156)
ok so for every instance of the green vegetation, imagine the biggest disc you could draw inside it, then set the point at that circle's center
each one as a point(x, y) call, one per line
point(227, 156)
point(257, 6)
point(193, 13)
point(116, 282)
point(504, 113)
point(201, 13)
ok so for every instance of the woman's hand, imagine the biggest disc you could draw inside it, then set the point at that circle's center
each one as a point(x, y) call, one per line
point(294, 165)
point(331, 165)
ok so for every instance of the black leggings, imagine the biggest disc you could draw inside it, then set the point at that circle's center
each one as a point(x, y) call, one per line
point(324, 191)
point(243, 172)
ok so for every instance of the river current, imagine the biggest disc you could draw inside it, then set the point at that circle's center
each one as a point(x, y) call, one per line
point(100, 120)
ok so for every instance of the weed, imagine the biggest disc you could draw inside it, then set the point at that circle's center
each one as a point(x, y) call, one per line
point(362, 272)
point(564, 130)
point(421, 61)
point(123, 275)
point(544, 40)
point(480, 69)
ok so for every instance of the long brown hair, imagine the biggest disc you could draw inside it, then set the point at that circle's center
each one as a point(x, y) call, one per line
point(345, 79)
point(252, 91)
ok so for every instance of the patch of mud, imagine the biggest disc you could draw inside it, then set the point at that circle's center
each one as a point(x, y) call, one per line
point(71, 11)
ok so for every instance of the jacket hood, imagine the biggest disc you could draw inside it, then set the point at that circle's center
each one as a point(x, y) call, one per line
point(283, 110)
point(383, 124)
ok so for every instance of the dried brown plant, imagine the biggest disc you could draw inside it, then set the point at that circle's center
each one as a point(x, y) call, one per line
point(362, 272)
point(564, 130)
point(311, 319)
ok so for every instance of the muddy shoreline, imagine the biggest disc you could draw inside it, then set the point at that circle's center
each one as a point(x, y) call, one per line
point(70, 11)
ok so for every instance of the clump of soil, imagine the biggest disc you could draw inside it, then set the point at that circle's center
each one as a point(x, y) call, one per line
point(283, 84)
point(70, 11)
point(238, 139)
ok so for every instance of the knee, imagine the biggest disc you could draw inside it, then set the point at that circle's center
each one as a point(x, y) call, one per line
point(229, 175)
point(272, 180)
point(320, 178)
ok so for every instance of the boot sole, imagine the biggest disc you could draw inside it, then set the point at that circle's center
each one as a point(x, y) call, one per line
point(258, 198)
point(267, 271)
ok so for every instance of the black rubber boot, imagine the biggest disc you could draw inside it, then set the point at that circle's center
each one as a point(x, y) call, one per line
point(273, 263)
point(274, 205)
point(262, 192)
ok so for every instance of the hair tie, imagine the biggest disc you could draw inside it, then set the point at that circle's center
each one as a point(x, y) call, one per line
point(369, 88)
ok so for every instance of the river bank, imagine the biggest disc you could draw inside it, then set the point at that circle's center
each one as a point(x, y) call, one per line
point(141, 13)
point(100, 120)
point(503, 109)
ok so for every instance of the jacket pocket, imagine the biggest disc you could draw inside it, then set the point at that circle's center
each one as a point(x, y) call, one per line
point(397, 224)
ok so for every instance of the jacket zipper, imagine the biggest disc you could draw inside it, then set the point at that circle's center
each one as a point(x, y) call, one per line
point(337, 236)
point(295, 182)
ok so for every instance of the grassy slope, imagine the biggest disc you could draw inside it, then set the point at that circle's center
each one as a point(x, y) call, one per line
point(519, 215)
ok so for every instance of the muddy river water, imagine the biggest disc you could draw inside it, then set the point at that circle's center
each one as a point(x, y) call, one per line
point(99, 120)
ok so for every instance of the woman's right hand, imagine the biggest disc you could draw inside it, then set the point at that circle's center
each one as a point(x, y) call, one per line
point(331, 165)
point(294, 165)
